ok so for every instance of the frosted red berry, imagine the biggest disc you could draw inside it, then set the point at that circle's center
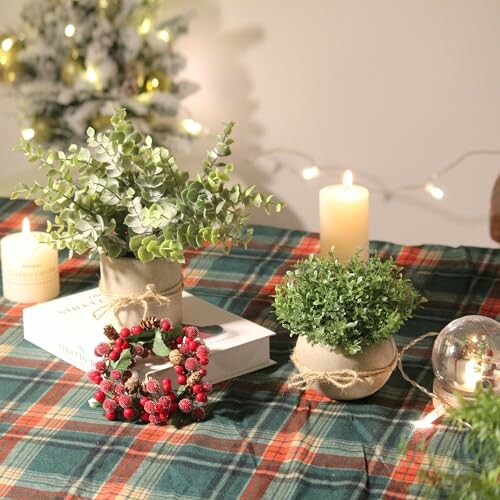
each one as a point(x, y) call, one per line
point(152, 385)
point(150, 406)
point(138, 349)
point(109, 405)
point(164, 402)
point(110, 415)
point(114, 355)
point(184, 348)
point(125, 401)
point(136, 329)
point(191, 364)
point(154, 419)
point(124, 333)
point(102, 348)
point(99, 396)
point(185, 405)
point(119, 389)
point(193, 345)
point(107, 386)
point(191, 331)
point(100, 366)
point(129, 413)
point(202, 351)
point(166, 384)
point(198, 413)
point(207, 387)
point(200, 397)
point(165, 324)
point(115, 374)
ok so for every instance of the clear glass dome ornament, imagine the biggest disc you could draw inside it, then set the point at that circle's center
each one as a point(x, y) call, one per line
point(466, 353)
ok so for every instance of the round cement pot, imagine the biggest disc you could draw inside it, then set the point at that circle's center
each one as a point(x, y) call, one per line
point(376, 357)
point(127, 278)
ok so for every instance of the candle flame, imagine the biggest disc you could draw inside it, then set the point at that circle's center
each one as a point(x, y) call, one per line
point(26, 227)
point(347, 179)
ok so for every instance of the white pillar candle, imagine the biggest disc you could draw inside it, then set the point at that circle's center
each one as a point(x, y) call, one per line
point(344, 219)
point(30, 270)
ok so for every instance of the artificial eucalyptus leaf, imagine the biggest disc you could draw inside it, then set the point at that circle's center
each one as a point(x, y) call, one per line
point(121, 188)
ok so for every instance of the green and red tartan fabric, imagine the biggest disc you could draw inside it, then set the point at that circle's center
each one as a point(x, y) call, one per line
point(261, 439)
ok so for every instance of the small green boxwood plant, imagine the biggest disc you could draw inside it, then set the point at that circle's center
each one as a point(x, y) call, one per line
point(348, 306)
point(122, 196)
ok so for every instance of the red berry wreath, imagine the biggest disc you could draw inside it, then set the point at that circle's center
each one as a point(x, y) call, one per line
point(124, 397)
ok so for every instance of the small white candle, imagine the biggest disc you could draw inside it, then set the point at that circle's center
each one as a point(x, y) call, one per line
point(471, 375)
point(344, 219)
point(30, 270)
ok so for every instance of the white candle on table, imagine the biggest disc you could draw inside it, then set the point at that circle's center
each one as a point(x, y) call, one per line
point(30, 270)
point(344, 219)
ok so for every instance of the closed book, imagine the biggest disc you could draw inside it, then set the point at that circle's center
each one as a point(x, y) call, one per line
point(237, 346)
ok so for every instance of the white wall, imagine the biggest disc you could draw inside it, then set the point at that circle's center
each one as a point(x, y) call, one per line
point(393, 89)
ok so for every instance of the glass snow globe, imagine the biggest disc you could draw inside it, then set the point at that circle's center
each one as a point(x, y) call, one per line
point(466, 353)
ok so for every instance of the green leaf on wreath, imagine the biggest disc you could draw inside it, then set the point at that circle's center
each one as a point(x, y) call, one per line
point(123, 362)
point(145, 336)
point(159, 346)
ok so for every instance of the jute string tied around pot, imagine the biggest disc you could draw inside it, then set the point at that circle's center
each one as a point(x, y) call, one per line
point(342, 379)
point(117, 302)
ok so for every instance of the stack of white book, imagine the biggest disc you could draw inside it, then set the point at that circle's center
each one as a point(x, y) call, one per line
point(66, 328)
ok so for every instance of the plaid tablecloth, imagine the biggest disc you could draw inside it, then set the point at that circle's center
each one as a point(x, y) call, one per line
point(261, 439)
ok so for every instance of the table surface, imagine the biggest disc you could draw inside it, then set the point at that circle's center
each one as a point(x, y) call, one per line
point(261, 439)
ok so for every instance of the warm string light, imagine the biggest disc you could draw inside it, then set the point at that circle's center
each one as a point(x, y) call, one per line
point(28, 134)
point(70, 30)
point(145, 26)
point(7, 44)
point(313, 171)
point(164, 36)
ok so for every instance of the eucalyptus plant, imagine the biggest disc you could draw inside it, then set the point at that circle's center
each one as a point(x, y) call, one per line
point(348, 306)
point(121, 195)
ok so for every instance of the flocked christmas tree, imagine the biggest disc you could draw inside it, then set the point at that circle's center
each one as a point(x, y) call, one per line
point(71, 63)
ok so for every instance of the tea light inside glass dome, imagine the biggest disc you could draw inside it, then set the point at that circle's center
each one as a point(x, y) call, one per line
point(466, 353)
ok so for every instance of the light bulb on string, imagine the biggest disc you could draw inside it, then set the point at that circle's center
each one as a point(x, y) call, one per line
point(7, 44)
point(92, 76)
point(69, 30)
point(191, 127)
point(311, 172)
point(164, 36)
point(145, 26)
point(436, 192)
point(28, 134)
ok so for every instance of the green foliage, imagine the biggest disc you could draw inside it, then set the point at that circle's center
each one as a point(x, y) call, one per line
point(121, 195)
point(481, 480)
point(348, 306)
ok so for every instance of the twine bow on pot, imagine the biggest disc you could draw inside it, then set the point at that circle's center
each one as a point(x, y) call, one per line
point(342, 379)
point(117, 302)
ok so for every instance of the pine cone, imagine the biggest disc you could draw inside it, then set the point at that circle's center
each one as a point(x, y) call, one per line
point(194, 378)
point(176, 357)
point(110, 332)
point(132, 384)
point(150, 322)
